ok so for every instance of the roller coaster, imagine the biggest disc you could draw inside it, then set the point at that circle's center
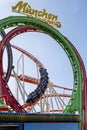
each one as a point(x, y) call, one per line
point(44, 93)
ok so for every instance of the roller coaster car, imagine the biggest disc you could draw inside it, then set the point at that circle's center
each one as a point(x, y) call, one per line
point(3, 104)
point(42, 71)
point(39, 91)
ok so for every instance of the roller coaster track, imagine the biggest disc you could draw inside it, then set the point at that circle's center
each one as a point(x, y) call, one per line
point(75, 103)
point(34, 80)
point(38, 63)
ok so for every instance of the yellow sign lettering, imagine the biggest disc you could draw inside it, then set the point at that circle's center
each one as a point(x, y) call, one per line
point(20, 6)
point(25, 8)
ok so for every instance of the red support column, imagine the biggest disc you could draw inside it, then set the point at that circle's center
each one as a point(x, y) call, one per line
point(85, 107)
point(1, 72)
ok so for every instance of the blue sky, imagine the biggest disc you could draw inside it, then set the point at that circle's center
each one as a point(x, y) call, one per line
point(73, 17)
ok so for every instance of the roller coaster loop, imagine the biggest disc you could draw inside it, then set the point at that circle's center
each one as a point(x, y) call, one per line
point(75, 103)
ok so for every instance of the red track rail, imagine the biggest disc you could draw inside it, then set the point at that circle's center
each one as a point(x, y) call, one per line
point(5, 91)
point(33, 58)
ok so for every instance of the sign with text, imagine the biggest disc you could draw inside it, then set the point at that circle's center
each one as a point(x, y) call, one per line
point(26, 9)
